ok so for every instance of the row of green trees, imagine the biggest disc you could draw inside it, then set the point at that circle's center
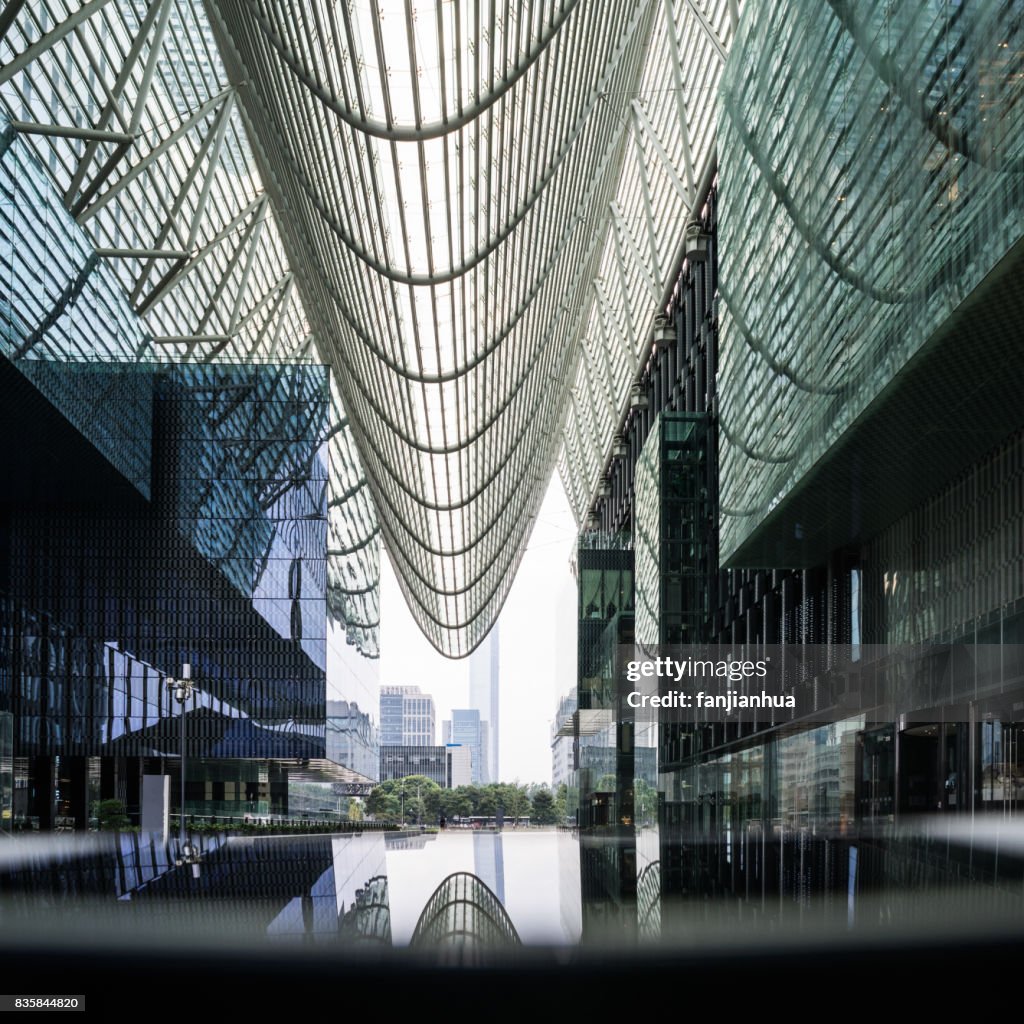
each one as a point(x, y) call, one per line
point(417, 800)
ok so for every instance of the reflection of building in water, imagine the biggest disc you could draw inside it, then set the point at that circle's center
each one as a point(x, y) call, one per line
point(408, 840)
point(648, 901)
point(321, 888)
point(570, 908)
point(368, 919)
point(463, 916)
point(489, 861)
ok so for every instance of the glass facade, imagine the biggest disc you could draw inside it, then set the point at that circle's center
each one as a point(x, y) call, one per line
point(747, 272)
point(673, 511)
point(869, 181)
point(6, 772)
point(353, 692)
point(401, 761)
point(601, 794)
point(189, 489)
point(951, 569)
point(668, 162)
point(407, 717)
point(352, 738)
point(473, 348)
point(495, 207)
point(485, 696)
point(466, 729)
point(223, 569)
point(65, 324)
point(757, 348)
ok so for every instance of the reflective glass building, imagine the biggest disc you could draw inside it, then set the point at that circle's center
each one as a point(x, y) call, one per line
point(180, 484)
point(485, 697)
point(223, 567)
point(822, 450)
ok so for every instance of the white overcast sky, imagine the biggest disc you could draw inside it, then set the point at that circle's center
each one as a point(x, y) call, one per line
point(538, 646)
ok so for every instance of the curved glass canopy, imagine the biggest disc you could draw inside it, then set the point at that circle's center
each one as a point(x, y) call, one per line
point(483, 206)
point(472, 211)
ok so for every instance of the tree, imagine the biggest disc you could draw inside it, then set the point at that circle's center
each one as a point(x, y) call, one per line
point(412, 800)
point(383, 805)
point(111, 815)
point(512, 799)
point(473, 794)
point(355, 809)
point(562, 802)
point(519, 801)
point(456, 803)
point(543, 811)
point(487, 804)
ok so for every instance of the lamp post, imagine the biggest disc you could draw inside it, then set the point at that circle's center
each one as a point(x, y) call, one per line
point(183, 689)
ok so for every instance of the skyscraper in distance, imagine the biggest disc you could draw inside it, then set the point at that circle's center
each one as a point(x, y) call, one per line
point(406, 716)
point(465, 728)
point(483, 696)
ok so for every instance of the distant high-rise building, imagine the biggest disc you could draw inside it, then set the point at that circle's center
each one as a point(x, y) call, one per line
point(400, 761)
point(460, 763)
point(483, 697)
point(391, 707)
point(406, 716)
point(448, 765)
point(465, 728)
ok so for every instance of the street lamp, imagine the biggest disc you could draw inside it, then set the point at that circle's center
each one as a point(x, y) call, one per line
point(182, 690)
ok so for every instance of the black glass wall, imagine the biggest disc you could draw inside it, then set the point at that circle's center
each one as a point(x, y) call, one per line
point(673, 535)
point(104, 593)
